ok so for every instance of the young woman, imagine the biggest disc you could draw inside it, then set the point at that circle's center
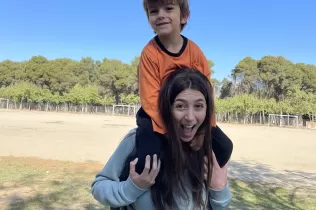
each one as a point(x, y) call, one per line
point(182, 178)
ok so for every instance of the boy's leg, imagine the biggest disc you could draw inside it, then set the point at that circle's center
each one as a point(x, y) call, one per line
point(222, 146)
point(148, 142)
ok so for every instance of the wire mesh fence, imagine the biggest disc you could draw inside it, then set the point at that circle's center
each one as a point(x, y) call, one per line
point(111, 109)
point(263, 119)
point(131, 110)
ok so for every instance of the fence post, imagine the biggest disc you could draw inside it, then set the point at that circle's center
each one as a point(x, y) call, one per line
point(135, 110)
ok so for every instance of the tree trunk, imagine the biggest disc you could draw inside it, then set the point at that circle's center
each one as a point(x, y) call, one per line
point(21, 103)
point(264, 117)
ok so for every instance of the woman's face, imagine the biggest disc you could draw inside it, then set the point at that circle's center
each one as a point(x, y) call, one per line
point(189, 110)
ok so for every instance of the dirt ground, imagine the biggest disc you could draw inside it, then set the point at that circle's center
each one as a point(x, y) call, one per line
point(259, 151)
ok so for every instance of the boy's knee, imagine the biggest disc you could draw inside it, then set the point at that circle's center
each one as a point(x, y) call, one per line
point(147, 143)
point(222, 146)
point(142, 119)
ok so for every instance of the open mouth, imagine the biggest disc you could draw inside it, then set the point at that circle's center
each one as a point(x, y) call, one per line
point(187, 128)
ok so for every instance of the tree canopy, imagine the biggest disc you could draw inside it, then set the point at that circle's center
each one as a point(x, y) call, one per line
point(272, 84)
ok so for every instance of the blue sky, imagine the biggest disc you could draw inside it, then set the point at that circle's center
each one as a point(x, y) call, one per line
point(226, 31)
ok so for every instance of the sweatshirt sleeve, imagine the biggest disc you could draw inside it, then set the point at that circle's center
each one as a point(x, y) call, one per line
point(149, 86)
point(107, 188)
point(219, 199)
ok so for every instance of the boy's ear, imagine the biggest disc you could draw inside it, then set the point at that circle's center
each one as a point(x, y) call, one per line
point(184, 19)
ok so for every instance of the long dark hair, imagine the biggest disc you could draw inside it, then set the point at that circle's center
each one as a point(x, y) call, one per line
point(177, 157)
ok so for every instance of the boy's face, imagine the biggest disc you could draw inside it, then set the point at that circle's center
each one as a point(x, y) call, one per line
point(165, 19)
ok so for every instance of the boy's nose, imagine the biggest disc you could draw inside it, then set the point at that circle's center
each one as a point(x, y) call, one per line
point(161, 13)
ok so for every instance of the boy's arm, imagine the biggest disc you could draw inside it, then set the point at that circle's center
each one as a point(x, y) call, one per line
point(205, 69)
point(205, 66)
point(149, 86)
point(201, 60)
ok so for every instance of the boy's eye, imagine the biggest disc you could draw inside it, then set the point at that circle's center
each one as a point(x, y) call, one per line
point(169, 8)
point(152, 11)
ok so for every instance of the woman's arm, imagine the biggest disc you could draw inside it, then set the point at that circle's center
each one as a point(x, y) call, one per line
point(219, 199)
point(107, 188)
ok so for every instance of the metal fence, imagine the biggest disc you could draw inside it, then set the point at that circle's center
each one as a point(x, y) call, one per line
point(130, 110)
point(112, 109)
point(261, 119)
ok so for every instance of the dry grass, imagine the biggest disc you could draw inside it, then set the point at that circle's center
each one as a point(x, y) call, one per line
point(256, 195)
point(32, 183)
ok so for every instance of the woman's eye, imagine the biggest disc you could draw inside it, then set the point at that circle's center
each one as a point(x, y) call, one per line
point(200, 106)
point(179, 106)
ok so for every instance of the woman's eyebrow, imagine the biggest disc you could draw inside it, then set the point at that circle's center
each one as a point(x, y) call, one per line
point(184, 100)
point(200, 100)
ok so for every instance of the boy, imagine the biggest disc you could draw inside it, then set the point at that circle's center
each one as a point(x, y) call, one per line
point(167, 51)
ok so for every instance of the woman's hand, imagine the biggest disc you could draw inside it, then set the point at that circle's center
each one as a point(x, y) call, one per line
point(147, 178)
point(219, 175)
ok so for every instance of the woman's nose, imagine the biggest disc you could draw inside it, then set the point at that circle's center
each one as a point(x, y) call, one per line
point(189, 115)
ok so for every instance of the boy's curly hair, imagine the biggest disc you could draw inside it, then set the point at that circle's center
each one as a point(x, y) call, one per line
point(184, 6)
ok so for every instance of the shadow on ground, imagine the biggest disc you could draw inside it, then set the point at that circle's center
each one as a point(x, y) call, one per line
point(45, 184)
point(253, 171)
point(258, 186)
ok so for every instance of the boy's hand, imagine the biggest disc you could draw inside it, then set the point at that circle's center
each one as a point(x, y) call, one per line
point(145, 179)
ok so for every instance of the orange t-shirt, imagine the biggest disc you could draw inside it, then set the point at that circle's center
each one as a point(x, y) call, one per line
point(155, 65)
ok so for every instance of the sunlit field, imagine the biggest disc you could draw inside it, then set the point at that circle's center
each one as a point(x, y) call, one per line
point(48, 161)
